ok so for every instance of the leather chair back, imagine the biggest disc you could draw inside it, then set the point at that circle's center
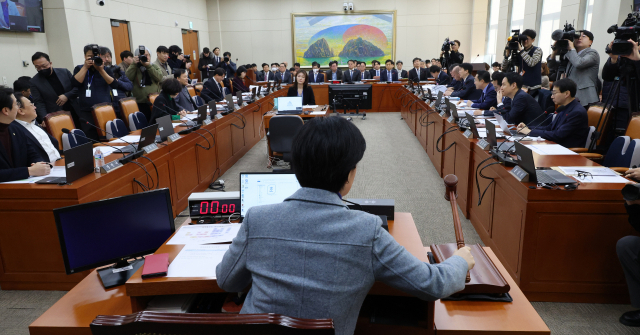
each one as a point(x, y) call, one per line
point(191, 90)
point(55, 122)
point(128, 106)
point(282, 130)
point(137, 121)
point(152, 97)
point(103, 113)
point(593, 114)
point(198, 87)
point(633, 129)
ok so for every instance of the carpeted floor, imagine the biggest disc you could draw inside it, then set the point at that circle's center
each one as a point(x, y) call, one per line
point(394, 166)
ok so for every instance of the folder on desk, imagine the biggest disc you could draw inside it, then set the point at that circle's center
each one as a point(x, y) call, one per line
point(155, 266)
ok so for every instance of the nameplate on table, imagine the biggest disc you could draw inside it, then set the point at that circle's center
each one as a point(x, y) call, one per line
point(468, 133)
point(111, 166)
point(206, 122)
point(519, 173)
point(483, 144)
point(451, 119)
point(442, 113)
point(173, 137)
point(150, 148)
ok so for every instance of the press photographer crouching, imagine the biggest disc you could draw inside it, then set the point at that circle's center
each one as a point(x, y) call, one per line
point(523, 57)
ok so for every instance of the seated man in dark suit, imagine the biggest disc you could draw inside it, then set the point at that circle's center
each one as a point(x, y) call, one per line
point(351, 74)
point(46, 145)
point(456, 82)
point(441, 77)
point(570, 127)
point(390, 74)
point(417, 73)
point(333, 73)
point(18, 159)
point(401, 73)
point(264, 74)
point(488, 98)
point(503, 103)
point(524, 108)
point(375, 69)
point(315, 76)
point(51, 89)
point(283, 75)
point(364, 74)
point(212, 89)
point(468, 85)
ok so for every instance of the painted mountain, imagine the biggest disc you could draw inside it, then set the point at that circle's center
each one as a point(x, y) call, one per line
point(360, 48)
point(319, 49)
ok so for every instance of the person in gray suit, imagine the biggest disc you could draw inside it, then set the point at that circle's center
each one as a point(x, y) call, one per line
point(583, 67)
point(311, 256)
point(51, 88)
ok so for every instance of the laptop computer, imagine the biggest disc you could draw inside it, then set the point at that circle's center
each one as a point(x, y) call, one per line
point(290, 105)
point(492, 138)
point(265, 188)
point(147, 136)
point(230, 105)
point(78, 162)
point(472, 125)
point(526, 162)
point(165, 128)
point(240, 99)
point(505, 127)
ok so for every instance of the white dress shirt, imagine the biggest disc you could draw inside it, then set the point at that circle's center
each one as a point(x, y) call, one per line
point(43, 138)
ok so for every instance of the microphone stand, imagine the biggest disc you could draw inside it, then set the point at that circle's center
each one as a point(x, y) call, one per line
point(135, 148)
point(502, 156)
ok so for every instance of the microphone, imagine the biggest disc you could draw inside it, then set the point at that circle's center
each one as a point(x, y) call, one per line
point(124, 160)
point(557, 34)
point(106, 132)
point(534, 128)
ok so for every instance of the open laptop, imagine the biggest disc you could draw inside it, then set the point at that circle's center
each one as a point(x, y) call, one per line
point(240, 99)
point(165, 128)
point(78, 162)
point(505, 127)
point(265, 188)
point(147, 136)
point(526, 162)
point(472, 125)
point(230, 105)
point(492, 138)
point(290, 105)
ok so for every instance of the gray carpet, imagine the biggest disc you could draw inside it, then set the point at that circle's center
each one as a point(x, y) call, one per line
point(394, 166)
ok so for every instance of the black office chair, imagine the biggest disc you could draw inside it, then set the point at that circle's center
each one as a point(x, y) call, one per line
point(282, 130)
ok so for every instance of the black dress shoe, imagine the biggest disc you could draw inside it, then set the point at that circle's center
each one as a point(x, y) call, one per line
point(631, 319)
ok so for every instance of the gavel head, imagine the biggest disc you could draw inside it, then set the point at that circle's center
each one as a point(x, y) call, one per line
point(451, 183)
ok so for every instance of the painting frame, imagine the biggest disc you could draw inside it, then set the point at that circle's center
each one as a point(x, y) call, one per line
point(349, 13)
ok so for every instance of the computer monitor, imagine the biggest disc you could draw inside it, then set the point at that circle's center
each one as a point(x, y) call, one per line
point(341, 96)
point(111, 231)
point(165, 127)
point(261, 188)
point(290, 104)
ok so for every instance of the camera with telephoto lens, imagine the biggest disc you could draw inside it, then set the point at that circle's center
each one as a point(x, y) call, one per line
point(226, 59)
point(628, 31)
point(187, 56)
point(562, 38)
point(95, 49)
point(143, 57)
point(515, 41)
point(446, 46)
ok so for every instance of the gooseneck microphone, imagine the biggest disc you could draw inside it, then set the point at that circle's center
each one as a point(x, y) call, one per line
point(124, 160)
point(106, 132)
point(518, 132)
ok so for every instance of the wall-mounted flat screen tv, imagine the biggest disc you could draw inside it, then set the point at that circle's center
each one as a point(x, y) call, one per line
point(21, 15)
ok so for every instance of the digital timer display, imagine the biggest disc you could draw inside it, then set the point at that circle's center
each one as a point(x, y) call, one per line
point(214, 207)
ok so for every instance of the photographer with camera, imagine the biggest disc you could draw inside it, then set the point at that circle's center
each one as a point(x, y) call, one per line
point(162, 61)
point(206, 62)
point(521, 52)
point(227, 65)
point(449, 53)
point(124, 84)
point(146, 78)
point(94, 83)
point(583, 63)
point(176, 58)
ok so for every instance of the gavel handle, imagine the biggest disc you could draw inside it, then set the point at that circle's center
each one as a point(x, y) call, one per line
point(457, 226)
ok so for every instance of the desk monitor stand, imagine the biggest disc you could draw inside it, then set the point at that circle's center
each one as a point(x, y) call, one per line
point(119, 273)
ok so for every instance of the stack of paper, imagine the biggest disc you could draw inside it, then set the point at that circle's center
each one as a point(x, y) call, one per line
point(593, 174)
point(206, 233)
point(56, 171)
point(128, 138)
point(176, 303)
point(195, 260)
point(550, 149)
point(106, 151)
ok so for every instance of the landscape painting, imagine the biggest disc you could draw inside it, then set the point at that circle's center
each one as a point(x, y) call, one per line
point(324, 37)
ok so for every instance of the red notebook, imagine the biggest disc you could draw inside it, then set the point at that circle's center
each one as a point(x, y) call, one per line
point(155, 265)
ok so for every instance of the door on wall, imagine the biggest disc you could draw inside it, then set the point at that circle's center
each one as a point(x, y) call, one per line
point(120, 32)
point(190, 47)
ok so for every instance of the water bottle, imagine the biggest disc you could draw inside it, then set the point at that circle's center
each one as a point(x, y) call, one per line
point(99, 159)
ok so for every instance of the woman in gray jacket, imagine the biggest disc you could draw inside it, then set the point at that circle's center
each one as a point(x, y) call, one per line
point(312, 257)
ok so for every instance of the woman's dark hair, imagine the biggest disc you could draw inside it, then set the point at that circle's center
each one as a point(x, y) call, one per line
point(240, 70)
point(324, 151)
point(5, 97)
point(306, 79)
point(545, 69)
point(171, 86)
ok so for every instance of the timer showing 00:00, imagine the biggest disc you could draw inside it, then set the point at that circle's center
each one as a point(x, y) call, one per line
point(214, 207)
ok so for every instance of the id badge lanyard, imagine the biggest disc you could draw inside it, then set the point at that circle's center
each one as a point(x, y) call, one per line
point(89, 86)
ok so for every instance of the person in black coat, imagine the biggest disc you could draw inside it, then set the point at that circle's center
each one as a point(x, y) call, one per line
point(238, 80)
point(51, 88)
point(468, 84)
point(524, 108)
point(402, 73)
point(18, 159)
point(301, 88)
point(165, 103)
point(206, 63)
point(417, 73)
point(441, 77)
point(570, 127)
point(333, 68)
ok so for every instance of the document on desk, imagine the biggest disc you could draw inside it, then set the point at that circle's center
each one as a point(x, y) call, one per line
point(205, 234)
point(196, 260)
point(602, 179)
point(593, 170)
point(319, 113)
point(550, 149)
point(106, 151)
point(56, 171)
point(189, 117)
point(128, 138)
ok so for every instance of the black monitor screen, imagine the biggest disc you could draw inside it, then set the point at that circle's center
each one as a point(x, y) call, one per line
point(21, 15)
point(102, 232)
point(350, 95)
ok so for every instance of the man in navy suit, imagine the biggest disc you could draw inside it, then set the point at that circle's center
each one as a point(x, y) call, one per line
point(570, 126)
point(402, 73)
point(212, 90)
point(18, 159)
point(456, 82)
point(417, 73)
point(333, 73)
point(441, 77)
point(375, 69)
point(265, 74)
point(389, 74)
point(283, 75)
point(524, 108)
point(468, 85)
point(351, 74)
point(488, 98)
point(364, 74)
point(315, 76)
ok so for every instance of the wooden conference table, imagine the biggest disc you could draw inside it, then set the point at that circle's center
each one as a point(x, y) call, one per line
point(558, 245)
point(73, 313)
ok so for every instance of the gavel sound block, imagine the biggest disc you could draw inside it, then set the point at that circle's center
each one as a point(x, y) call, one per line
point(484, 278)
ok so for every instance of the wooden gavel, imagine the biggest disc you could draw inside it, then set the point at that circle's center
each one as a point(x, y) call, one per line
point(451, 182)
